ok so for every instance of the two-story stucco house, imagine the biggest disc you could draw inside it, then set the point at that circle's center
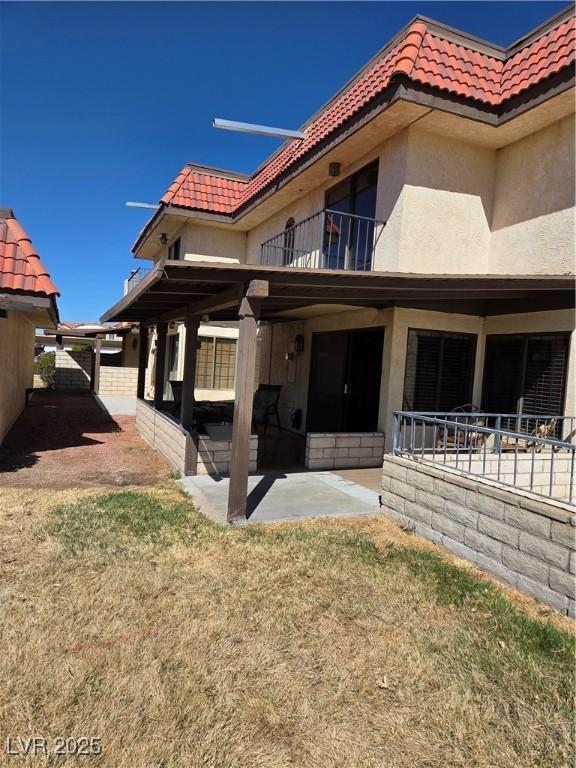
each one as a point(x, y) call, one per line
point(413, 252)
point(27, 300)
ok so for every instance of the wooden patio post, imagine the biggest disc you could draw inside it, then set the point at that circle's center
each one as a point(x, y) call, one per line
point(161, 333)
point(97, 352)
point(142, 362)
point(245, 375)
point(191, 323)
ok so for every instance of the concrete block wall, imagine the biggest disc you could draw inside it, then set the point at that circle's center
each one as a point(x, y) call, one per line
point(117, 381)
point(188, 454)
point(341, 450)
point(520, 539)
point(73, 369)
point(167, 437)
point(214, 456)
point(533, 470)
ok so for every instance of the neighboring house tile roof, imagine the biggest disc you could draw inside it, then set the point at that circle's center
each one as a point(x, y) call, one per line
point(21, 270)
point(422, 55)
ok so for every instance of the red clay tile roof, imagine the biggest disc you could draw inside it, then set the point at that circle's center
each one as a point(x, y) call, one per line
point(423, 56)
point(21, 270)
point(204, 192)
point(544, 57)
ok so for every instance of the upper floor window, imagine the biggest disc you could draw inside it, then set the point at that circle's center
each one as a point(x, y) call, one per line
point(289, 234)
point(349, 228)
point(174, 250)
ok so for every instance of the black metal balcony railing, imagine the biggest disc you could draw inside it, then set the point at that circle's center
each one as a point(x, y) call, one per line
point(527, 452)
point(135, 277)
point(326, 240)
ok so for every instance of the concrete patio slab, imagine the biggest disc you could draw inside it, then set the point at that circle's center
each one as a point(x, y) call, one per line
point(117, 405)
point(277, 497)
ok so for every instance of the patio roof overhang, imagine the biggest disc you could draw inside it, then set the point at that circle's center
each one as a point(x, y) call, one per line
point(216, 289)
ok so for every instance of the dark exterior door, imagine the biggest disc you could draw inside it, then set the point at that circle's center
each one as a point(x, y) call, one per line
point(327, 382)
point(345, 376)
point(363, 382)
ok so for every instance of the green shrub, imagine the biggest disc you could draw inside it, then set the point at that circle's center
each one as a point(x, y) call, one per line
point(45, 367)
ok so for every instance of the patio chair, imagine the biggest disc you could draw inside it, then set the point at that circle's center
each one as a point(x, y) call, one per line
point(533, 440)
point(463, 439)
point(265, 405)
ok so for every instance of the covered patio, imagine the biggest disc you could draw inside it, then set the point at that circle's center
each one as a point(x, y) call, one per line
point(252, 294)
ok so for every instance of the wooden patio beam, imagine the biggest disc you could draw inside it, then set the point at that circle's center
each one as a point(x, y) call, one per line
point(214, 302)
point(162, 332)
point(97, 361)
point(242, 425)
point(142, 362)
point(231, 297)
point(177, 313)
point(192, 324)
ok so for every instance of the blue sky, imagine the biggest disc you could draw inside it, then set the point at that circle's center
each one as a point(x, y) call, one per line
point(105, 102)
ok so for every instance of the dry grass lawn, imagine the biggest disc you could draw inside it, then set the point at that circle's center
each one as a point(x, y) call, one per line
point(337, 644)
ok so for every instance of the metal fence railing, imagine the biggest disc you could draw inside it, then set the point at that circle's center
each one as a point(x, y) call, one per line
point(538, 455)
point(326, 240)
point(135, 277)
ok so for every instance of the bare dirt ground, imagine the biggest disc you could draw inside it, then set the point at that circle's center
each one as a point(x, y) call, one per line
point(64, 440)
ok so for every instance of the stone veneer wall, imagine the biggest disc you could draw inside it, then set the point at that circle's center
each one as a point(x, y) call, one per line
point(524, 541)
point(341, 450)
point(73, 369)
point(117, 381)
point(214, 456)
point(166, 436)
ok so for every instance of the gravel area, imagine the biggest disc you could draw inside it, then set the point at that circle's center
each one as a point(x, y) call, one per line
point(63, 440)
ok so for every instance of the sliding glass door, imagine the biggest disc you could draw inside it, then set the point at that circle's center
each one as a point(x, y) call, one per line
point(349, 241)
point(439, 370)
point(526, 374)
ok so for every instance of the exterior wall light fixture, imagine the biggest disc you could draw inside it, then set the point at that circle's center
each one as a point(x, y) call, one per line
point(164, 238)
point(334, 169)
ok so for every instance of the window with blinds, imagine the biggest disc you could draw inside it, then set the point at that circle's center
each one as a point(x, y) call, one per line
point(439, 370)
point(526, 374)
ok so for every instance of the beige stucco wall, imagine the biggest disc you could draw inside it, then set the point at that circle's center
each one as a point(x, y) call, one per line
point(276, 340)
point(390, 164)
point(130, 347)
point(16, 367)
point(441, 218)
point(454, 207)
point(201, 240)
point(533, 221)
point(435, 195)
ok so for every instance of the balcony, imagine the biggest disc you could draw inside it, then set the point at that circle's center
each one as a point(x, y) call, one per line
point(136, 276)
point(326, 240)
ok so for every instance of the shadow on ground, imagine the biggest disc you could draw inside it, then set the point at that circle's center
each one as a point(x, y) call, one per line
point(66, 439)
